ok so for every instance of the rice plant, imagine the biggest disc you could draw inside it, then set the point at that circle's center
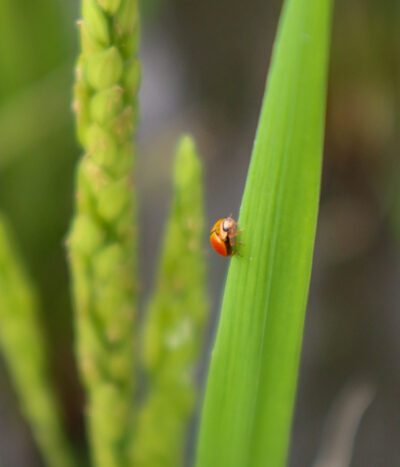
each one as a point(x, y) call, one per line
point(140, 376)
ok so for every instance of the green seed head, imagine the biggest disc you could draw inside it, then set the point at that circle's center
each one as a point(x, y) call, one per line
point(104, 68)
point(112, 199)
point(126, 17)
point(89, 42)
point(106, 104)
point(86, 235)
point(132, 75)
point(102, 147)
point(96, 21)
point(111, 6)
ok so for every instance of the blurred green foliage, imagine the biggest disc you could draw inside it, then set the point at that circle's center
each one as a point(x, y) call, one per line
point(37, 147)
point(174, 322)
point(36, 172)
point(37, 156)
point(25, 350)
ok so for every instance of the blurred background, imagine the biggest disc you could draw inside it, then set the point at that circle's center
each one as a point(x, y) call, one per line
point(204, 69)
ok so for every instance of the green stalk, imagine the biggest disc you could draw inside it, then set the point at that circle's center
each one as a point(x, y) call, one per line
point(251, 386)
point(102, 241)
point(25, 354)
point(175, 322)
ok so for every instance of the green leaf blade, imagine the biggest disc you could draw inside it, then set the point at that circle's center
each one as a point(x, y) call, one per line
point(253, 374)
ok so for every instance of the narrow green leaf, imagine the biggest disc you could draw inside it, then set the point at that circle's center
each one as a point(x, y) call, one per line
point(175, 322)
point(24, 349)
point(252, 380)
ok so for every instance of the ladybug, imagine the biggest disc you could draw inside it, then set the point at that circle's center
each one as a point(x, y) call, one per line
point(222, 236)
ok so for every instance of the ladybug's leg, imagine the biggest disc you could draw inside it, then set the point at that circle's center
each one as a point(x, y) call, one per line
point(237, 232)
point(233, 234)
point(237, 252)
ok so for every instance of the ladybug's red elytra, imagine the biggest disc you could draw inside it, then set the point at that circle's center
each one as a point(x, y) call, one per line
point(222, 236)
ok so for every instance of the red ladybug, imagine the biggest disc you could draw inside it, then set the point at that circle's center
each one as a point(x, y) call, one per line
point(222, 236)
